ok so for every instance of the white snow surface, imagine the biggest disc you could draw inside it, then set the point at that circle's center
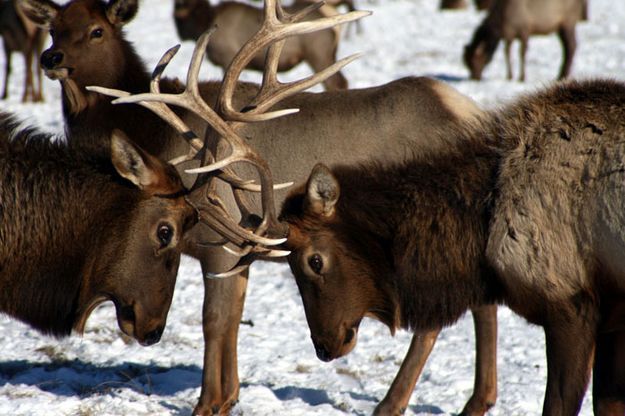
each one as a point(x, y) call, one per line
point(103, 373)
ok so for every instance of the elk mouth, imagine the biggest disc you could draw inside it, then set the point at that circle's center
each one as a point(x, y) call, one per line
point(328, 351)
point(60, 73)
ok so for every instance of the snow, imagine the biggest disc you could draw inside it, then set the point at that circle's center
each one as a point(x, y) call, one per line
point(104, 373)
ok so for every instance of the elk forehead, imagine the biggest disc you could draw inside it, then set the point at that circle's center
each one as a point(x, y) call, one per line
point(79, 16)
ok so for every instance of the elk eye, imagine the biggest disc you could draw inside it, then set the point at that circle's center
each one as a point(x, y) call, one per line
point(96, 33)
point(164, 234)
point(316, 263)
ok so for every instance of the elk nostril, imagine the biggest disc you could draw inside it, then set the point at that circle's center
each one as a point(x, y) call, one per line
point(50, 59)
point(153, 337)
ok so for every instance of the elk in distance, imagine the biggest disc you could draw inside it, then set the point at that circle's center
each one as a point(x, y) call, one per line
point(20, 35)
point(520, 19)
point(237, 22)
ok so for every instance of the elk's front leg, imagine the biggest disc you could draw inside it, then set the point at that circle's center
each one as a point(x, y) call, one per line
point(608, 392)
point(222, 310)
point(397, 397)
point(485, 386)
point(570, 330)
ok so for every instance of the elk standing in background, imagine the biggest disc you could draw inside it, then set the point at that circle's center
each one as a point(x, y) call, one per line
point(237, 22)
point(69, 240)
point(20, 35)
point(519, 19)
point(526, 211)
point(330, 126)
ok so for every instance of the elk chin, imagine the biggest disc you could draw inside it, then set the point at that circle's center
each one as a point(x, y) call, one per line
point(58, 73)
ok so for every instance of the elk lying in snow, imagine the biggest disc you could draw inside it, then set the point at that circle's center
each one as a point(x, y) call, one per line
point(519, 19)
point(237, 22)
point(525, 210)
point(330, 126)
point(21, 35)
point(102, 227)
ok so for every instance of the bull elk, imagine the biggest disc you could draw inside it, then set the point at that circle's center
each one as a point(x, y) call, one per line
point(79, 227)
point(330, 126)
point(239, 21)
point(523, 208)
point(21, 35)
point(520, 19)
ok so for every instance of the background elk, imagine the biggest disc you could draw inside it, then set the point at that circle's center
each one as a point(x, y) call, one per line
point(526, 210)
point(20, 35)
point(519, 19)
point(462, 4)
point(80, 227)
point(330, 126)
point(237, 22)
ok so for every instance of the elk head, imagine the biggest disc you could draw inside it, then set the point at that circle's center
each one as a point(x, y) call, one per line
point(479, 52)
point(87, 41)
point(335, 272)
point(135, 254)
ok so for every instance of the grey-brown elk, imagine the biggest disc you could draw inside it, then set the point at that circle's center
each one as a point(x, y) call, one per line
point(79, 227)
point(523, 208)
point(21, 35)
point(508, 20)
point(329, 126)
point(237, 22)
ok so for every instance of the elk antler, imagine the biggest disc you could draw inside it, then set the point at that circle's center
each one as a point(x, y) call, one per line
point(225, 121)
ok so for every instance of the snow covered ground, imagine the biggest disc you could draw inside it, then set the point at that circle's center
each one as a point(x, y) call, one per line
point(102, 373)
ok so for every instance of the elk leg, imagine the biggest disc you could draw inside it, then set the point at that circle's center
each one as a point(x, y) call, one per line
point(320, 58)
point(609, 375)
point(522, 55)
point(485, 386)
point(222, 310)
point(7, 70)
point(570, 331)
point(28, 82)
point(397, 397)
point(569, 44)
point(37, 51)
point(507, 47)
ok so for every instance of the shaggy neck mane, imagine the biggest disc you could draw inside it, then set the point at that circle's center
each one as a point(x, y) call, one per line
point(42, 260)
point(424, 225)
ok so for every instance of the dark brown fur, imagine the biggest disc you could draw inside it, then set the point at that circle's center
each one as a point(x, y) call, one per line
point(416, 244)
point(65, 216)
point(19, 35)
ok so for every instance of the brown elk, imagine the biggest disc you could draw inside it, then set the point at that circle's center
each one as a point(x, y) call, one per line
point(239, 21)
point(21, 35)
point(462, 4)
point(329, 126)
point(80, 227)
point(519, 19)
point(525, 210)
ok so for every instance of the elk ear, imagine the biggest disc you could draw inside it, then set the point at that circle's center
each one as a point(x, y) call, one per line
point(131, 162)
point(120, 12)
point(322, 191)
point(41, 12)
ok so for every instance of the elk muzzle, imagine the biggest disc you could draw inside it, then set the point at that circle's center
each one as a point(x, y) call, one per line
point(51, 61)
point(330, 347)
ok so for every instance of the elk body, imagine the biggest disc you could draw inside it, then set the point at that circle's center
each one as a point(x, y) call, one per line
point(78, 228)
point(21, 35)
point(525, 210)
point(237, 22)
point(330, 126)
point(520, 19)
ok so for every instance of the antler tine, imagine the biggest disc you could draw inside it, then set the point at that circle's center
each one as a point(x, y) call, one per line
point(270, 32)
point(246, 261)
